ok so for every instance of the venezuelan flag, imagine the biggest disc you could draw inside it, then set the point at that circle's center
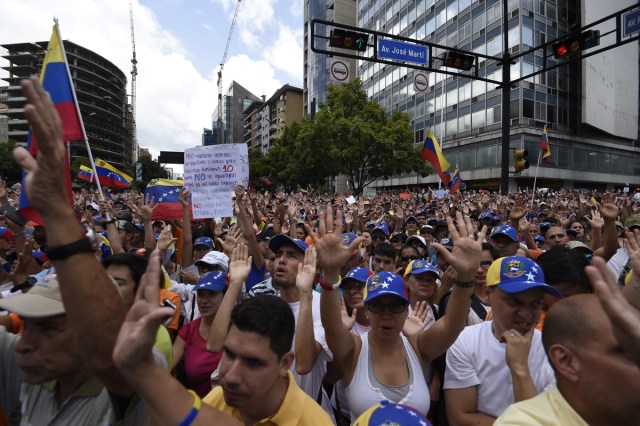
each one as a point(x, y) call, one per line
point(85, 173)
point(456, 181)
point(431, 152)
point(165, 194)
point(110, 176)
point(55, 79)
point(544, 145)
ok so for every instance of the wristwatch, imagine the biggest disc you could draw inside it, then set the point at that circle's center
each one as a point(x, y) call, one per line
point(28, 283)
point(87, 244)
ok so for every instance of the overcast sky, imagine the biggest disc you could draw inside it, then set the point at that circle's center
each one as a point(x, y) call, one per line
point(179, 46)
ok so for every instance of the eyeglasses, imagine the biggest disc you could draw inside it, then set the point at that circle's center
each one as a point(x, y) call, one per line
point(408, 258)
point(485, 264)
point(378, 238)
point(398, 240)
point(394, 308)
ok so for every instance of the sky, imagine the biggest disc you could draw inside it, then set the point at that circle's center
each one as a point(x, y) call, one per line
point(179, 47)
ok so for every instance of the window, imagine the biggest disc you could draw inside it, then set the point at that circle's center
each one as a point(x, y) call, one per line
point(467, 159)
point(486, 156)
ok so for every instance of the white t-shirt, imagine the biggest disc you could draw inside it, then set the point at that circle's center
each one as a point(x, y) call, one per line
point(477, 358)
point(311, 383)
point(618, 261)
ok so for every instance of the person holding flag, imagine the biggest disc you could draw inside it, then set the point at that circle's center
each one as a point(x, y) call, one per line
point(431, 152)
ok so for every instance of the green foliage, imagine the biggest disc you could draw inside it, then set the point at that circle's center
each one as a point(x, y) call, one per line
point(151, 169)
point(77, 162)
point(351, 136)
point(9, 169)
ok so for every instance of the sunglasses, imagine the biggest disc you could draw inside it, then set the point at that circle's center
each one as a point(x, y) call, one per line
point(377, 238)
point(485, 264)
point(394, 308)
point(398, 240)
point(408, 258)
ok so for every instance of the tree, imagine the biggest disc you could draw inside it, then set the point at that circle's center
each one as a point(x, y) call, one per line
point(151, 169)
point(352, 135)
point(259, 169)
point(9, 169)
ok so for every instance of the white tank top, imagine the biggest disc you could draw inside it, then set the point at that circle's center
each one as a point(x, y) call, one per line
point(362, 395)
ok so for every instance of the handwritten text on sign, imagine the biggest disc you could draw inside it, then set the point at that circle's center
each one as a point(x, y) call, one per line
point(211, 173)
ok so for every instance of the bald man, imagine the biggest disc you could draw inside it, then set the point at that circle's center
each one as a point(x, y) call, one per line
point(597, 381)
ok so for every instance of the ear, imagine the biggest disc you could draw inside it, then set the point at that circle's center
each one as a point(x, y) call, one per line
point(565, 361)
point(285, 363)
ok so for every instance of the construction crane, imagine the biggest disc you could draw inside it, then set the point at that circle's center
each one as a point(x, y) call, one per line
point(224, 60)
point(134, 74)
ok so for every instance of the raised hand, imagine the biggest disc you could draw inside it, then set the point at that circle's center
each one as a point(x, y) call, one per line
point(518, 210)
point(145, 209)
point(231, 240)
point(596, 221)
point(415, 322)
point(608, 208)
point(466, 254)
point(166, 239)
point(184, 197)
point(307, 271)
point(239, 264)
point(347, 320)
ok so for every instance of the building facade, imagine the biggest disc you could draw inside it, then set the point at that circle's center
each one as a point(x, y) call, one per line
point(265, 121)
point(466, 115)
point(100, 88)
point(235, 100)
point(316, 78)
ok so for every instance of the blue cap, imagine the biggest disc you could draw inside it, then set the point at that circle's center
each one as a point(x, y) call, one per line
point(539, 238)
point(383, 227)
point(213, 281)
point(347, 238)
point(370, 223)
point(140, 227)
point(384, 283)
point(203, 241)
point(411, 218)
point(359, 274)
point(507, 230)
point(419, 266)
point(98, 219)
point(515, 274)
point(544, 225)
point(276, 242)
point(432, 220)
point(488, 214)
point(389, 413)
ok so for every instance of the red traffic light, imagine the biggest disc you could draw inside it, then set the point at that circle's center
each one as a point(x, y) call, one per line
point(576, 43)
point(348, 40)
point(458, 60)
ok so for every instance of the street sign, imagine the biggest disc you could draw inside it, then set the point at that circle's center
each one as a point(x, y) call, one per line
point(402, 51)
point(339, 71)
point(420, 82)
point(171, 157)
point(631, 23)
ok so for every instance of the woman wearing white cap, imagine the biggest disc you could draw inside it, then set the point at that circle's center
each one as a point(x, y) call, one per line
point(383, 364)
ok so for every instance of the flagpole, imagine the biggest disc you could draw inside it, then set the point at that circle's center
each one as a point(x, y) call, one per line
point(75, 102)
point(535, 178)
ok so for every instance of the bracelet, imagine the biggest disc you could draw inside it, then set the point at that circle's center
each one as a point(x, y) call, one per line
point(109, 222)
point(330, 287)
point(465, 284)
point(191, 416)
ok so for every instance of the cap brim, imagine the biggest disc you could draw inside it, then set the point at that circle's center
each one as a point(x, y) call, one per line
point(276, 242)
point(380, 293)
point(32, 306)
point(520, 286)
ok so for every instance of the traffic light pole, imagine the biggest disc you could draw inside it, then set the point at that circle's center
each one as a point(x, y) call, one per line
point(506, 94)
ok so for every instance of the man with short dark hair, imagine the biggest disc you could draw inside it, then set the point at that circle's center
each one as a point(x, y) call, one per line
point(504, 238)
point(556, 236)
point(383, 258)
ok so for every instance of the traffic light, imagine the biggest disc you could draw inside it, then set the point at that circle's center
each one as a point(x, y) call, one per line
point(576, 43)
point(348, 40)
point(458, 60)
point(521, 156)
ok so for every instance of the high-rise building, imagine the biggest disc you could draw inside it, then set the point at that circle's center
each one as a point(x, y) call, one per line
point(102, 96)
point(316, 78)
point(235, 100)
point(589, 106)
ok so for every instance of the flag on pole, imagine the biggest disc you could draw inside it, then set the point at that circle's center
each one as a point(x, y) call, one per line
point(55, 79)
point(110, 176)
point(165, 193)
point(544, 145)
point(456, 181)
point(85, 173)
point(431, 152)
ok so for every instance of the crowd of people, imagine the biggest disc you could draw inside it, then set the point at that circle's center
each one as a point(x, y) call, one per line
point(315, 309)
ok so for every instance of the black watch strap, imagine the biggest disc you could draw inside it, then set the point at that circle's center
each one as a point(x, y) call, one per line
point(28, 283)
point(83, 245)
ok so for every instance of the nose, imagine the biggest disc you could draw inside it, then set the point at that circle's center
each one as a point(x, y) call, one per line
point(27, 342)
point(230, 371)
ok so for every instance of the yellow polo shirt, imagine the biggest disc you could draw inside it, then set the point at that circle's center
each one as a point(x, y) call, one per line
point(547, 409)
point(297, 408)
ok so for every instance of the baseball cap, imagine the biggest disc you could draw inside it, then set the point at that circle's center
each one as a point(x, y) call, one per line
point(371, 224)
point(40, 256)
point(515, 274)
point(276, 242)
point(544, 226)
point(578, 244)
point(123, 215)
point(6, 233)
point(415, 219)
point(447, 243)
point(382, 227)
point(139, 227)
point(359, 274)
point(214, 258)
point(384, 283)
point(507, 230)
point(266, 234)
point(571, 232)
point(213, 281)
point(203, 241)
point(417, 238)
point(128, 227)
point(419, 266)
point(43, 300)
point(539, 238)
point(426, 228)
point(389, 413)
point(632, 221)
point(488, 214)
point(347, 238)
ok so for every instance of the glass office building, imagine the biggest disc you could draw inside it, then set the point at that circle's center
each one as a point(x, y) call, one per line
point(466, 115)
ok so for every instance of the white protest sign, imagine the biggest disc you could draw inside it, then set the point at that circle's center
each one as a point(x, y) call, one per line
point(211, 173)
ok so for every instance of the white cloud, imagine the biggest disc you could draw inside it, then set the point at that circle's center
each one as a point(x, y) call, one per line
point(296, 9)
point(207, 27)
point(285, 52)
point(244, 70)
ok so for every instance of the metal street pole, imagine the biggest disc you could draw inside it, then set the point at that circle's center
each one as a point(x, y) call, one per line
point(506, 88)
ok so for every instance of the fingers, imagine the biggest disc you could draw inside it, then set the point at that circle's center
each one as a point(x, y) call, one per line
point(24, 159)
point(149, 290)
